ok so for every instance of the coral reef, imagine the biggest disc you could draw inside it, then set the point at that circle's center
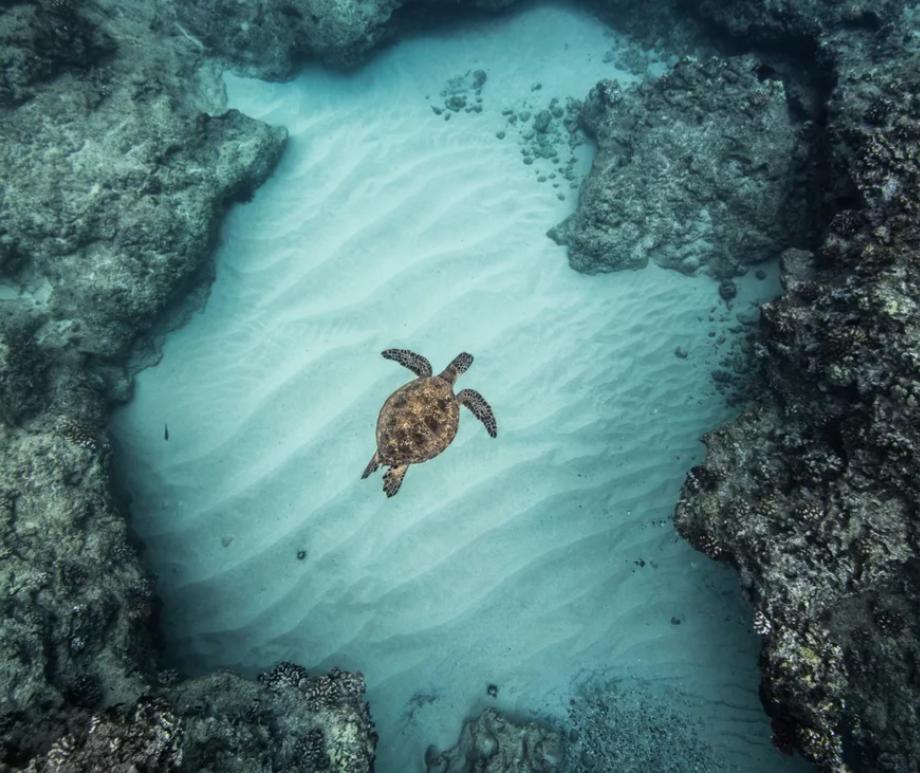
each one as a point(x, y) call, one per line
point(118, 161)
point(222, 723)
point(153, 172)
point(288, 721)
point(76, 606)
point(270, 39)
point(40, 40)
point(629, 726)
point(493, 743)
point(612, 725)
point(698, 167)
point(147, 737)
point(812, 493)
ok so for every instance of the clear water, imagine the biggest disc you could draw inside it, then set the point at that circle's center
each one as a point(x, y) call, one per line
point(526, 561)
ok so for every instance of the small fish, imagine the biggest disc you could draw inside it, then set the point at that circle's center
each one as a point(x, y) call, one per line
point(165, 432)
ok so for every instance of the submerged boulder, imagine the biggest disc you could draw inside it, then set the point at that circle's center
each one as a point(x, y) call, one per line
point(269, 38)
point(115, 203)
point(222, 723)
point(698, 167)
point(40, 40)
point(812, 493)
point(493, 743)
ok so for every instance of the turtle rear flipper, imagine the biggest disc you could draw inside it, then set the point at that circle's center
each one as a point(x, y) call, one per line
point(414, 362)
point(480, 408)
point(372, 465)
point(393, 479)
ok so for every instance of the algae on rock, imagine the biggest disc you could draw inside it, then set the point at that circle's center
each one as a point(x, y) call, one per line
point(695, 168)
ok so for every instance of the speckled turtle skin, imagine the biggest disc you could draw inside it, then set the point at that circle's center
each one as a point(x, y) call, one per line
point(417, 422)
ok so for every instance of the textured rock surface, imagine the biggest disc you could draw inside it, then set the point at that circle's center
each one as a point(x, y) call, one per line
point(76, 605)
point(40, 40)
point(270, 39)
point(288, 721)
point(117, 163)
point(224, 724)
point(812, 494)
point(112, 192)
point(146, 737)
point(493, 743)
point(612, 725)
point(698, 167)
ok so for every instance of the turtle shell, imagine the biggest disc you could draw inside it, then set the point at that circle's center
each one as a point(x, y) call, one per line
point(417, 422)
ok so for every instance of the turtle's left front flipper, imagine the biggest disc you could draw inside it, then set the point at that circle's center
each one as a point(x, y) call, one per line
point(414, 362)
point(480, 408)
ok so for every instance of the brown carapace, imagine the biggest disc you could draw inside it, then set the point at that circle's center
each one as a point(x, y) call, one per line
point(419, 420)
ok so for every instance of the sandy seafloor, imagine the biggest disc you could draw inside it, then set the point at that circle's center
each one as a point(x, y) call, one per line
point(544, 556)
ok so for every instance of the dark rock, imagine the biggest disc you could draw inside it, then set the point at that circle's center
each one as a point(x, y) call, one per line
point(150, 222)
point(38, 41)
point(147, 737)
point(281, 723)
point(818, 482)
point(698, 166)
point(269, 39)
point(117, 162)
point(492, 743)
point(23, 371)
point(221, 723)
point(727, 289)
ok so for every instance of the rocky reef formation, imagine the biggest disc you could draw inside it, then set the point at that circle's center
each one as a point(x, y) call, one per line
point(812, 493)
point(39, 41)
point(76, 605)
point(701, 166)
point(494, 743)
point(224, 724)
point(118, 162)
point(271, 39)
point(612, 725)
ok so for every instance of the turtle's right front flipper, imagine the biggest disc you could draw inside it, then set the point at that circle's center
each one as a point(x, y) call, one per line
point(480, 408)
point(414, 362)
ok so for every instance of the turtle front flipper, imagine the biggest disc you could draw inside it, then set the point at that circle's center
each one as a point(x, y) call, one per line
point(393, 479)
point(414, 362)
point(480, 408)
point(458, 365)
point(372, 465)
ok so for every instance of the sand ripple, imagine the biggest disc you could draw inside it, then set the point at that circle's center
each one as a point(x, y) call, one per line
point(522, 561)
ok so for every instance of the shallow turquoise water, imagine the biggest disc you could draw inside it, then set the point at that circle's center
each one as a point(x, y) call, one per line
point(527, 561)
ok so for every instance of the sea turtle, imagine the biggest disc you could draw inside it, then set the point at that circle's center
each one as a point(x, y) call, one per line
point(419, 420)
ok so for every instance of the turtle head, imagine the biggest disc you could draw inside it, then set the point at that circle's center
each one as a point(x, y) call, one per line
point(457, 366)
